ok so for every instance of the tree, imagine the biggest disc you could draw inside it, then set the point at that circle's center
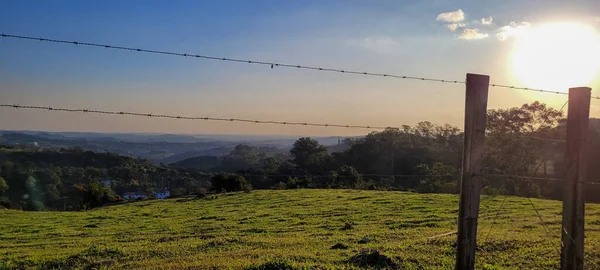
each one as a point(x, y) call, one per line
point(511, 150)
point(310, 156)
point(229, 183)
point(438, 178)
point(3, 185)
point(347, 177)
point(242, 157)
point(399, 151)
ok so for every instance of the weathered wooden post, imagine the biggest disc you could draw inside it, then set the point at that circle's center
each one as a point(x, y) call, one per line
point(571, 256)
point(470, 185)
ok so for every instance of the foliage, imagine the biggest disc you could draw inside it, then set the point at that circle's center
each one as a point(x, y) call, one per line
point(69, 179)
point(438, 178)
point(229, 183)
point(310, 156)
point(346, 177)
point(511, 151)
point(3, 185)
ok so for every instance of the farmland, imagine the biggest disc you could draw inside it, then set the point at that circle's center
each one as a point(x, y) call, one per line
point(304, 229)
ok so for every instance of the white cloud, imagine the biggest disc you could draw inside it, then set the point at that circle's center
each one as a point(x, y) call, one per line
point(383, 45)
point(470, 34)
point(452, 16)
point(512, 30)
point(453, 26)
point(487, 21)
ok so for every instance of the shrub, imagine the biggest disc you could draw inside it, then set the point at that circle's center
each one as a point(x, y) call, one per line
point(229, 183)
point(279, 186)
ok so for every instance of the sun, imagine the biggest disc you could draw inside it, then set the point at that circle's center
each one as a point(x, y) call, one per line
point(556, 56)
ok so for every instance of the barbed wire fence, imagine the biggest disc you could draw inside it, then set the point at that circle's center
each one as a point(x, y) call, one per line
point(484, 206)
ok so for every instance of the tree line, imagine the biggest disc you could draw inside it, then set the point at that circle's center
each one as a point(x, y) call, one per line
point(522, 145)
point(524, 156)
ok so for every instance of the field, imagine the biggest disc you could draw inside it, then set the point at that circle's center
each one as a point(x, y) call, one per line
point(319, 229)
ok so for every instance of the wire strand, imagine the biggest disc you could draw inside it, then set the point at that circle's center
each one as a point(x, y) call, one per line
point(229, 59)
point(151, 115)
point(273, 64)
point(546, 229)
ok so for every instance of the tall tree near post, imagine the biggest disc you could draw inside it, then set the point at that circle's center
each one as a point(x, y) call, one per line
point(470, 186)
point(573, 203)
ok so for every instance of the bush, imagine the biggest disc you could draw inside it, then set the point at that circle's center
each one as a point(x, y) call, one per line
point(487, 190)
point(279, 186)
point(229, 183)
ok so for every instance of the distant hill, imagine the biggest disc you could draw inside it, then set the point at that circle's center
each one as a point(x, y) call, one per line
point(204, 163)
point(214, 152)
point(160, 148)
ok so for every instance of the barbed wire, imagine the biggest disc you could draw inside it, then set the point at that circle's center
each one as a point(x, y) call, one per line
point(229, 59)
point(49, 108)
point(151, 115)
point(273, 64)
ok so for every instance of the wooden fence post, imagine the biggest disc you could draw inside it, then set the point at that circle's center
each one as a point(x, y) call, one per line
point(571, 256)
point(470, 185)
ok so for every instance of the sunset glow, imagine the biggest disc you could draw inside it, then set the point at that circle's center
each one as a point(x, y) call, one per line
point(556, 56)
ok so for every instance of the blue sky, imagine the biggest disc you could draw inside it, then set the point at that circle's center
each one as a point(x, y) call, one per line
point(397, 37)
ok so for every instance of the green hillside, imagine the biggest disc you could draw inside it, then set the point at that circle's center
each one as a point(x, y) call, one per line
point(293, 227)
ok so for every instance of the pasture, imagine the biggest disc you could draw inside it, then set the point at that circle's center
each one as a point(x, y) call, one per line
point(289, 229)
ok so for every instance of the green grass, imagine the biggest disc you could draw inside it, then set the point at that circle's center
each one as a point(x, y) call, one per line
point(289, 228)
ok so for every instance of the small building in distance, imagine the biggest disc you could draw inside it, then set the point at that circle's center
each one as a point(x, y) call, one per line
point(162, 194)
point(134, 195)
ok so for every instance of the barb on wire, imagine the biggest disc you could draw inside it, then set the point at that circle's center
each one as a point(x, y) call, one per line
point(228, 59)
point(190, 117)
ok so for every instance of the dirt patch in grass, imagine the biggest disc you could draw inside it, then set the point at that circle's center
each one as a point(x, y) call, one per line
point(255, 230)
point(339, 246)
point(273, 265)
point(372, 258)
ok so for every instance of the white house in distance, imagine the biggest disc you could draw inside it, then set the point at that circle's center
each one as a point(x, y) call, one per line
point(161, 194)
point(134, 196)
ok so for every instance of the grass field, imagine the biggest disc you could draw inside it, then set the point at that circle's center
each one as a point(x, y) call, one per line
point(297, 228)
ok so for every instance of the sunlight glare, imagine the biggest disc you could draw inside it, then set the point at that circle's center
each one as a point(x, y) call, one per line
point(556, 56)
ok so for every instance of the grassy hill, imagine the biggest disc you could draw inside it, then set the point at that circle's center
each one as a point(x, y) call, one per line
point(297, 228)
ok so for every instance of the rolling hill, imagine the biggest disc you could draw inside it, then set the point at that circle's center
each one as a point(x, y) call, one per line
point(289, 229)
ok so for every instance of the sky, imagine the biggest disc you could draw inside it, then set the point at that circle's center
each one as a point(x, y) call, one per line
point(426, 38)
